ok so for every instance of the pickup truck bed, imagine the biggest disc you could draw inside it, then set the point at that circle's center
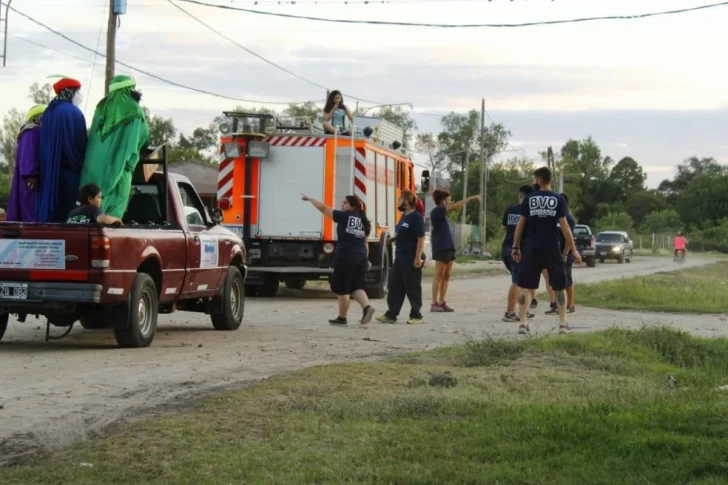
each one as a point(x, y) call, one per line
point(122, 277)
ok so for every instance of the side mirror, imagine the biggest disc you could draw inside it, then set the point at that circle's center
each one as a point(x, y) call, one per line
point(425, 182)
point(217, 216)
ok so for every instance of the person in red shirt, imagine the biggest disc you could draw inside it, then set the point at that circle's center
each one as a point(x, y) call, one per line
point(680, 244)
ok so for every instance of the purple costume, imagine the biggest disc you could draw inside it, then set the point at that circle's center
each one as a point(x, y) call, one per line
point(22, 198)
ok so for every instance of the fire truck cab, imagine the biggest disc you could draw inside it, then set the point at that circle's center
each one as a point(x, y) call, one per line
point(265, 165)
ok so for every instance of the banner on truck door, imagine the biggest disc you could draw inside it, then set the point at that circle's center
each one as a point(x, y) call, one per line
point(32, 254)
point(209, 256)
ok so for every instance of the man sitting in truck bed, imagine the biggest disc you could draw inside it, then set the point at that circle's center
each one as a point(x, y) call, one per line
point(90, 198)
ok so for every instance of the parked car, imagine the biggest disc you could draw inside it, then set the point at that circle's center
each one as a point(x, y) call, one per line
point(614, 245)
point(584, 240)
point(169, 255)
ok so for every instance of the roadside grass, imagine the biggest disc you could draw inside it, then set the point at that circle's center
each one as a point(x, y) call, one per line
point(574, 409)
point(703, 289)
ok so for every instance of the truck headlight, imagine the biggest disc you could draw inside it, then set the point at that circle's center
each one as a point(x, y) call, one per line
point(616, 249)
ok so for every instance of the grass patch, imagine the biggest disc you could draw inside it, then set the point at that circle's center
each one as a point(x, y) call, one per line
point(696, 290)
point(566, 410)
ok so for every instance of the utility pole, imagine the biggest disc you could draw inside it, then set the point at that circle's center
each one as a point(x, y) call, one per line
point(110, 45)
point(465, 182)
point(4, 21)
point(483, 171)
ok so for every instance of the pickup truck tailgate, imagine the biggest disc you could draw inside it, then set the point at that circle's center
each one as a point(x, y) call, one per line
point(40, 252)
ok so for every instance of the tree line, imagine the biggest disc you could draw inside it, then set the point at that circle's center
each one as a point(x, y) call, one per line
point(604, 193)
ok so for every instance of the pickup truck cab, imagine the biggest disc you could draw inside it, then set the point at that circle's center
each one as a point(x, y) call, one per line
point(169, 255)
point(584, 240)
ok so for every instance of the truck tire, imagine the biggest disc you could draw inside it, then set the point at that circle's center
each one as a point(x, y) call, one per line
point(591, 262)
point(620, 259)
point(140, 313)
point(269, 289)
point(380, 291)
point(233, 302)
point(4, 317)
point(295, 283)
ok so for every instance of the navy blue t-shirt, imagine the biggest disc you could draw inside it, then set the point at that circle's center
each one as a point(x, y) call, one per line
point(442, 239)
point(510, 220)
point(562, 239)
point(409, 229)
point(543, 209)
point(351, 237)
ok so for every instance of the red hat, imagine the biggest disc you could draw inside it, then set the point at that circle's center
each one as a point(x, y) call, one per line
point(66, 83)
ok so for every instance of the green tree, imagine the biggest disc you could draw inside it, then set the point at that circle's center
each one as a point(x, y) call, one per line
point(428, 144)
point(615, 221)
point(667, 220)
point(41, 94)
point(402, 119)
point(307, 109)
point(628, 175)
point(705, 199)
point(639, 204)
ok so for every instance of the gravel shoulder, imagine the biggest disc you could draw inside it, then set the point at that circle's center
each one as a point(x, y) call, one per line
point(56, 393)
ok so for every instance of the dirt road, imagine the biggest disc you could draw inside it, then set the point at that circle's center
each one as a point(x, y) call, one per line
point(53, 394)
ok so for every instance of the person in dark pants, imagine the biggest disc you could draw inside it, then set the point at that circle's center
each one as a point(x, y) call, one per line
point(569, 259)
point(443, 246)
point(541, 210)
point(351, 261)
point(406, 275)
point(510, 220)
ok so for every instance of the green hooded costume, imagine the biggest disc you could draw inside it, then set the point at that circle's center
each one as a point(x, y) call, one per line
point(118, 134)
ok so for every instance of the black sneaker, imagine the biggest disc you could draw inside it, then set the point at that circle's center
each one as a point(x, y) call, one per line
point(510, 317)
point(367, 315)
point(534, 303)
point(338, 321)
point(554, 310)
point(530, 315)
point(572, 309)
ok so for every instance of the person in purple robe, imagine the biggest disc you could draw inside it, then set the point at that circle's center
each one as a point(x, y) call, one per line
point(63, 139)
point(24, 190)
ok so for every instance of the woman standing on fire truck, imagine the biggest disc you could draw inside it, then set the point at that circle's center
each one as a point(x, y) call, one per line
point(351, 261)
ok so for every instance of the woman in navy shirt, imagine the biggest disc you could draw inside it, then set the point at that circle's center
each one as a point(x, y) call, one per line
point(406, 275)
point(443, 246)
point(351, 261)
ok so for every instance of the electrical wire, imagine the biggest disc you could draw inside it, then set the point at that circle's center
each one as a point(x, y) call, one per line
point(147, 73)
point(93, 67)
point(461, 26)
point(258, 56)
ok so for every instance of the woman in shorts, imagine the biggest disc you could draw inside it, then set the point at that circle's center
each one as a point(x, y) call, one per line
point(351, 261)
point(443, 246)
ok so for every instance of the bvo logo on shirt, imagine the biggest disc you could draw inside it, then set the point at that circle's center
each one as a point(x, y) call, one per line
point(355, 227)
point(543, 205)
point(513, 219)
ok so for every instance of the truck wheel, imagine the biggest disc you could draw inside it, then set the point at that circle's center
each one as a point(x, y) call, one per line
point(3, 324)
point(233, 302)
point(140, 313)
point(380, 291)
point(270, 286)
point(620, 259)
point(295, 284)
point(591, 262)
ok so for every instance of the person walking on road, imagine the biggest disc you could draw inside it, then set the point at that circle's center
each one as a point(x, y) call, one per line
point(443, 246)
point(570, 308)
point(406, 276)
point(541, 211)
point(510, 220)
point(351, 261)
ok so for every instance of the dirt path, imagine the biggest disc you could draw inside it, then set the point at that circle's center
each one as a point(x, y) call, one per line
point(53, 394)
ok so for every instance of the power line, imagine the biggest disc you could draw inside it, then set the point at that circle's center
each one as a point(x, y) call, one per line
point(255, 54)
point(461, 26)
point(146, 73)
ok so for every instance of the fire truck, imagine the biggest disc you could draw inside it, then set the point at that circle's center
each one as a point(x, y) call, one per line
point(266, 163)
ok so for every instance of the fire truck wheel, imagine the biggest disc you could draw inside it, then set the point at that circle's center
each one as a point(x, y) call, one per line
point(295, 284)
point(3, 324)
point(380, 290)
point(270, 286)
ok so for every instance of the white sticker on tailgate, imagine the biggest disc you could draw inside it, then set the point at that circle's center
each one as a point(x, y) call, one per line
point(32, 254)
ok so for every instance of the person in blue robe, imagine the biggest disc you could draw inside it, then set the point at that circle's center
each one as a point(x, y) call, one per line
point(63, 139)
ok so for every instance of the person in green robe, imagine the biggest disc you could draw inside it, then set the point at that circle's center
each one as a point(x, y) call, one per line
point(118, 133)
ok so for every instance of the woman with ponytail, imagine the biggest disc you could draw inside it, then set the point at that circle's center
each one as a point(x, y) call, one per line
point(351, 261)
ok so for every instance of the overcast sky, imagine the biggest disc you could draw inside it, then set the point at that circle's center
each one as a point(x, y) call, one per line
point(654, 89)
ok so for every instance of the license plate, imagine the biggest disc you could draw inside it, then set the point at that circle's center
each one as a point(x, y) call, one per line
point(13, 291)
point(603, 253)
point(254, 254)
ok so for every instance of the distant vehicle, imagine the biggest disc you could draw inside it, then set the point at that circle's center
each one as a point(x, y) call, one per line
point(584, 240)
point(614, 245)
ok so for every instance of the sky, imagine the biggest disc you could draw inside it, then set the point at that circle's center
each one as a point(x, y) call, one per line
point(652, 89)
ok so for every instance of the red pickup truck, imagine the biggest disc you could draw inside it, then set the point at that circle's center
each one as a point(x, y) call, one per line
point(170, 254)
